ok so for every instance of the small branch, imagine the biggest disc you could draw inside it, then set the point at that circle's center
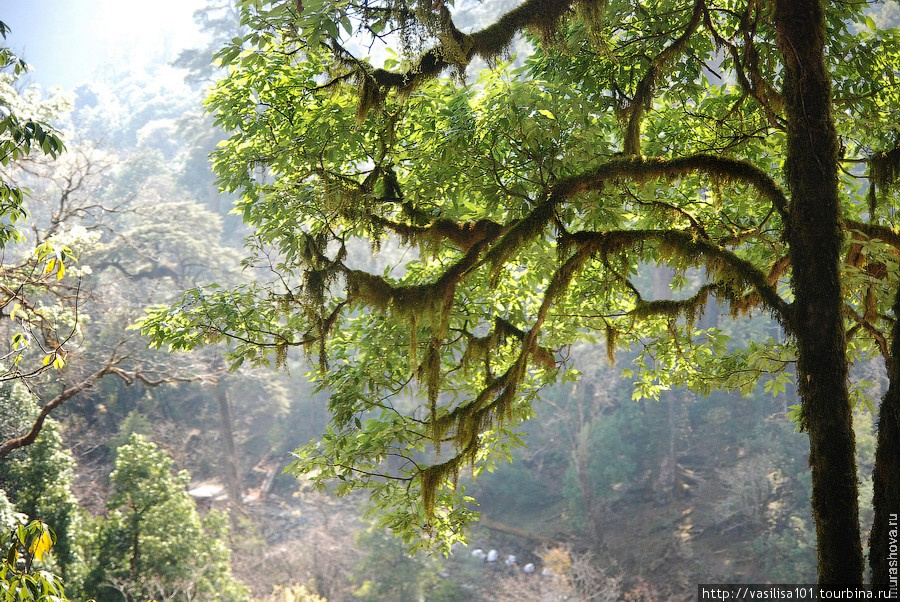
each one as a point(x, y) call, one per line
point(692, 248)
point(129, 377)
point(18, 442)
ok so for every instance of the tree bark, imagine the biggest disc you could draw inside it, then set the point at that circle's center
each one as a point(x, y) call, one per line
point(886, 476)
point(814, 235)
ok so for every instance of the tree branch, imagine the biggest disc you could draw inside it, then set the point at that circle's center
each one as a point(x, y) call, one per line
point(643, 94)
point(129, 377)
point(639, 168)
point(690, 247)
point(27, 439)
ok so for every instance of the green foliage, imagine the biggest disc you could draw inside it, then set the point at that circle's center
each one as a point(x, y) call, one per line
point(388, 572)
point(40, 478)
point(293, 593)
point(787, 551)
point(527, 208)
point(9, 518)
point(20, 135)
point(153, 544)
point(23, 548)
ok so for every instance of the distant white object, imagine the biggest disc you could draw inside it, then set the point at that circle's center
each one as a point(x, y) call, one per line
point(207, 491)
point(492, 556)
point(529, 568)
point(510, 560)
point(478, 553)
point(545, 572)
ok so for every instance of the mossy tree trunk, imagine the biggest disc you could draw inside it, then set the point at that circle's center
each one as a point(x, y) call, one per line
point(814, 235)
point(886, 477)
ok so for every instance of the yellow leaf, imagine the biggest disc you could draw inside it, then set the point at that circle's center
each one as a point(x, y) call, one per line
point(41, 545)
point(50, 265)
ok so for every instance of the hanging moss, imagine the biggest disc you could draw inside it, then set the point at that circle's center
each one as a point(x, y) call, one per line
point(370, 96)
point(611, 335)
point(884, 171)
point(431, 479)
point(429, 373)
point(455, 49)
point(593, 14)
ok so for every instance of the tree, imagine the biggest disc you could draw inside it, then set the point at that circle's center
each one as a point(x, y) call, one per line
point(39, 479)
point(153, 544)
point(692, 134)
point(23, 130)
point(42, 310)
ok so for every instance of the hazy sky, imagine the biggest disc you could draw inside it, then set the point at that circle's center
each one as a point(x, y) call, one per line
point(68, 42)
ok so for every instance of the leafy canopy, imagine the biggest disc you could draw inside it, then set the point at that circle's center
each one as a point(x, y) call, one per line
point(513, 211)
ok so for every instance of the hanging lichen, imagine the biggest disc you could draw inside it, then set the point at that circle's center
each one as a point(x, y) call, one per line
point(884, 171)
point(593, 14)
point(611, 335)
point(370, 96)
point(429, 373)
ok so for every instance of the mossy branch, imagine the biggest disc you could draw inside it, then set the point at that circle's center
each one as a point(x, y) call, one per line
point(746, 65)
point(875, 232)
point(522, 231)
point(487, 43)
point(642, 169)
point(456, 49)
point(643, 96)
point(464, 235)
point(730, 267)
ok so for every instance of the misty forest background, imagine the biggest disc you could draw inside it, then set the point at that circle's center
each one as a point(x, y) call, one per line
point(609, 498)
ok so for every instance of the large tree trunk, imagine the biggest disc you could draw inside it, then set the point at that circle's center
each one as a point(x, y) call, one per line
point(886, 476)
point(817, 324)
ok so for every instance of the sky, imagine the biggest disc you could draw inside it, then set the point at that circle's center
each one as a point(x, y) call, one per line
point(70, 42)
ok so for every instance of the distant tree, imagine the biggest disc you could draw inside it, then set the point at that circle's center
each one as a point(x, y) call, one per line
point(692, 134)
point(40, 478)
point(388, 572)
point(293, 593)
point(153, 544)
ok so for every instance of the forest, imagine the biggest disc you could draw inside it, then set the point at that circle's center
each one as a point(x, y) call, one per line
point(436, 300)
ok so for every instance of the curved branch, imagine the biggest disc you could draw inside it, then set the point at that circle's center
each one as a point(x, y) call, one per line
point(746, 69)
point(27, 439)
point(692, 248)
point(464, 235)
point(639, 168)
point(129, 377)
point(457, 49)
point(885, 234)
point(879, 337)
